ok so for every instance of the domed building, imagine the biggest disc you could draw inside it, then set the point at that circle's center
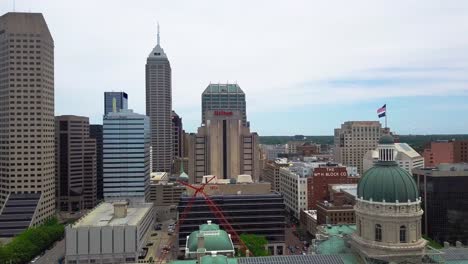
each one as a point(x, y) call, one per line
point(209, 240)
point(388, 212)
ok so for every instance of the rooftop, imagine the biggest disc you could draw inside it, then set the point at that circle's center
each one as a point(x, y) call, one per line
point(445, 170)
point(214, 88)
point(103, 215)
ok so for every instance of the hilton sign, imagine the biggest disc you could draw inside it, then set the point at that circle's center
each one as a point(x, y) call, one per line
point(222, 113)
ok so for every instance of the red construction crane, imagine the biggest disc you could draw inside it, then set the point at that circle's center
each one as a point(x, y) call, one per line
point(214, 209)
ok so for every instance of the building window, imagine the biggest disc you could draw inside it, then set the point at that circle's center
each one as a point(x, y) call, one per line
point(402, 234)
point(360, 228)
point(378, 233)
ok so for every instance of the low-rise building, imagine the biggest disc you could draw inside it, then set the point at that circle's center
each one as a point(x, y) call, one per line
point(308, 220)
point(406, 157)
point(271, 172)
point(249, 208)
point(446, 151)
point(110, 233)
point(308, 149)
point(165, 195)
point(209, 240)
point(323, 176)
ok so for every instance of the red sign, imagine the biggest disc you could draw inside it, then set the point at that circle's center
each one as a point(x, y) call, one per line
point(222, 113)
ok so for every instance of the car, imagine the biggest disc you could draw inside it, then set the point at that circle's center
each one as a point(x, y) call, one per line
point(150, 244)
point(303, 253)
point(297, 247)
point(35, 259)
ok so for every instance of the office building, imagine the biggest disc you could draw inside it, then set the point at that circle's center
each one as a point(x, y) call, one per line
point(115, 101)
point(354, 139)
point(323, 176)
point(249, 207)
point(95, 131)
point(27, 149)
point(76, 166)
point(178, 135)
point(406, 157)
point(448, 151)
point(293, 186)
point(165, 195)
point(110, 233)
point(223, 147)
point(126, 156)
point(159, 107)
point(271, 172)
point(225, 97)
point(444, 191)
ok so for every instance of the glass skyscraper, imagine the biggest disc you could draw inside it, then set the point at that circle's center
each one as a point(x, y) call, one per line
point(228, 97)
point(126, 156)
point(119, 100)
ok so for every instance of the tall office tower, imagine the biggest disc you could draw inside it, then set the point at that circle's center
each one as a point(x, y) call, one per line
point(178, 134)
point(115, 101)
point(159, 107)
point(223, 147)
point(227, 97)
point(126, 156)
point(27, 153)
point(75, 152)
point(354, 139)
point(95, 131)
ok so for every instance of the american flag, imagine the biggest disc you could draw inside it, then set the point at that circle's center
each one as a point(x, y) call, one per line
point(382, 110)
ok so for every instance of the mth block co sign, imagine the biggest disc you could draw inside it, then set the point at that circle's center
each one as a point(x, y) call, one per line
point(330, 172)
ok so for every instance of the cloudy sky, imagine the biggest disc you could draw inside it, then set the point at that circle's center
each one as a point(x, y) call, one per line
point(306, 66)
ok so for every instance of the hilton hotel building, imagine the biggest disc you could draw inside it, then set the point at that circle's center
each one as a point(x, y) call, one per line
point(224, 147)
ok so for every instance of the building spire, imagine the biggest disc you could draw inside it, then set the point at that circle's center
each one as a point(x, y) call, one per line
point(158, 34)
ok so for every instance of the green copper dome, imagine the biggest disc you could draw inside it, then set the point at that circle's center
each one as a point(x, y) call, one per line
point(387, 182)
point(215, 239)
point(386, 139)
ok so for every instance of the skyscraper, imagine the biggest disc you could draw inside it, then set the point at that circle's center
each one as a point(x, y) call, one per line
point(354, 139)
point(126, 156)
point(95, 131)
point(158, 108)
point(178, 134)
point(228, 97)
point(27, 151)
point(223, 147)
point(75, 151)
point(115, 101)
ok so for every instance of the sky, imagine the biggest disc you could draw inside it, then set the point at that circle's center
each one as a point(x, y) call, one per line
point(305, 66)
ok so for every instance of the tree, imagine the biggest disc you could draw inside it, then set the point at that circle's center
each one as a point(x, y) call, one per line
point(256, 244)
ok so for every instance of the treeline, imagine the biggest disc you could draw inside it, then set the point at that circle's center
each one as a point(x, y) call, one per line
point(418, 142)
point(32, 242)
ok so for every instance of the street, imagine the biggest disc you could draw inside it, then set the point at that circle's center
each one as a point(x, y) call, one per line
point(53, 255)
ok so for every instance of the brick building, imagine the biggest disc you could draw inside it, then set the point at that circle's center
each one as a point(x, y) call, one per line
point(449, 151)
point(317, 186)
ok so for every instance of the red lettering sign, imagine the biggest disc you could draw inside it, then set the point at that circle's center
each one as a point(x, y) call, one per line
point(222, 113)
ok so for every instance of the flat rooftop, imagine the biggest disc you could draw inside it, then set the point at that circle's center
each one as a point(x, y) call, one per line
point(103, 215)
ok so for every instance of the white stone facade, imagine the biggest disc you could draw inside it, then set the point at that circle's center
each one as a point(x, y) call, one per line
point(389, 231)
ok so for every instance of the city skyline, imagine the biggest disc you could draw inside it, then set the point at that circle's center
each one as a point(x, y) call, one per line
point(341, 64)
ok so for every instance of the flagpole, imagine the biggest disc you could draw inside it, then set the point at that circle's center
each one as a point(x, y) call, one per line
point(386, 114)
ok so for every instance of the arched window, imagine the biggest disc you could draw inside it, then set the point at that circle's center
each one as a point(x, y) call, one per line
point(378, 232)
point(402, 234)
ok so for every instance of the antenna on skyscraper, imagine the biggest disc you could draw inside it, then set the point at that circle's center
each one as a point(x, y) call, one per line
point(158, 33)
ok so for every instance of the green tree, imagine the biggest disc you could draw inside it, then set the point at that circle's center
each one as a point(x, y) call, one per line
point(256, 244)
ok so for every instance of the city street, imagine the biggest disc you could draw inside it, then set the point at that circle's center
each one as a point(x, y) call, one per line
point(53, 255)
point(159, 241)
